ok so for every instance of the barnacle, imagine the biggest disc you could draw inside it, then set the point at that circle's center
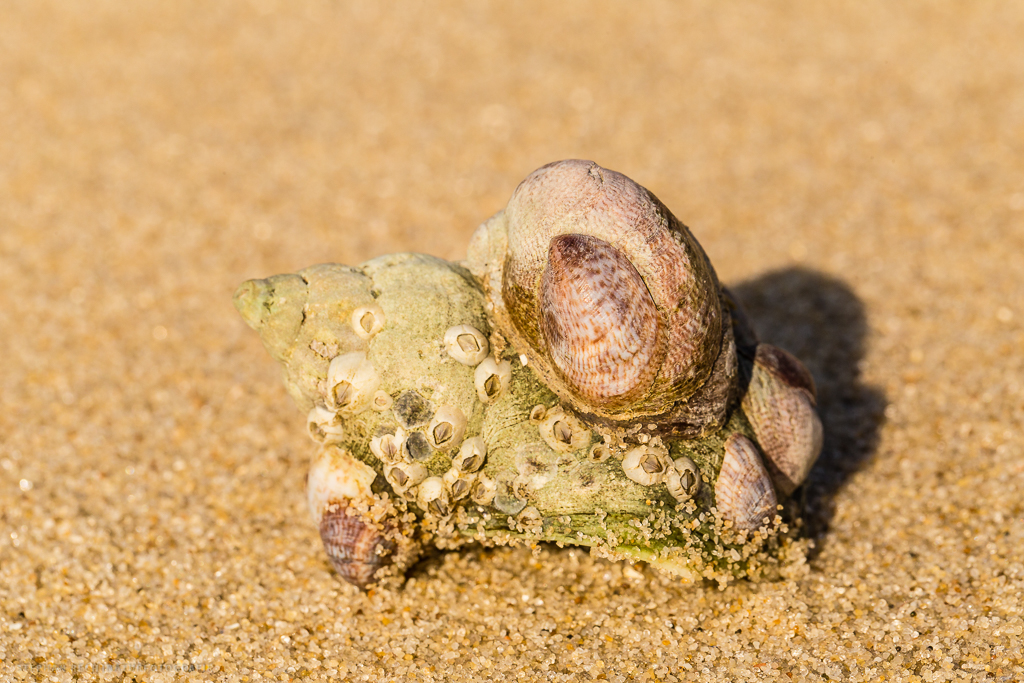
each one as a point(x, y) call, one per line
point(682, 479)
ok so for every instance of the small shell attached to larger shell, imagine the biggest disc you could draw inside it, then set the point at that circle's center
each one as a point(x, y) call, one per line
point(683, 479)
point(598, 320)
point(367, 320)
point(647, 465)
point(466, 344)
point(779, 403)
point(356, 548)
point(743, 492)
point(613, 302)
point(359, 539)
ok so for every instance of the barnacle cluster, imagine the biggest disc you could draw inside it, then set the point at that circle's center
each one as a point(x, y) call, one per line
point(581, 378)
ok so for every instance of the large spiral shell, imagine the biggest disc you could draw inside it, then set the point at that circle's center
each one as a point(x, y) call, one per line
point(575, 380)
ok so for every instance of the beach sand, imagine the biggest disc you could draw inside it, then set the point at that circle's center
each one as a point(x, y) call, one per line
point(855, 171)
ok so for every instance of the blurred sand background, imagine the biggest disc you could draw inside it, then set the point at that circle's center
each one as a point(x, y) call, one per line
point(855, 170)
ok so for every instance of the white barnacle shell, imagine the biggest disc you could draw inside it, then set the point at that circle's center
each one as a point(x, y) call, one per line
point(471, 455)
point(352, 382)
point(537, 413)
point(647, 465)
point(612, 301)
point(530, 519)
point(388, 447)
point(563, 432)
point(367, 320)
point(466, 344)
point(743, 492)
point(492, 378)
point(599, 452)
point(683, 479)
point(432, 497)
point(458, 483)
point(382, 401)
point(447, 428)
point(404, 475)
point(483, 489)
point(324, 426)
point(779, 403)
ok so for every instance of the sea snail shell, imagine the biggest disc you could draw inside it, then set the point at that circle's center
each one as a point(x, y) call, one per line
point(583, 360)
point(613, 302)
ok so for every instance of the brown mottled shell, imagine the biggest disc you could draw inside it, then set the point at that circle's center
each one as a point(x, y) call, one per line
point(598, 320)
point(357, 549)
point(779, 403)
point(743, 491)
point(613, 301)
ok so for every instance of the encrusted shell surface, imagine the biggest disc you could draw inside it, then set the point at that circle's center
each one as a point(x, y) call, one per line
point(369, 351)
point(743, 492)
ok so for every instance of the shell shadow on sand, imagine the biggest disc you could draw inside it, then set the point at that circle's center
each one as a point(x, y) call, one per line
point(819, 319)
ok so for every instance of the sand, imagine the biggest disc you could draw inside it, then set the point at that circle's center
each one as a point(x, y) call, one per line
point(855, 170)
